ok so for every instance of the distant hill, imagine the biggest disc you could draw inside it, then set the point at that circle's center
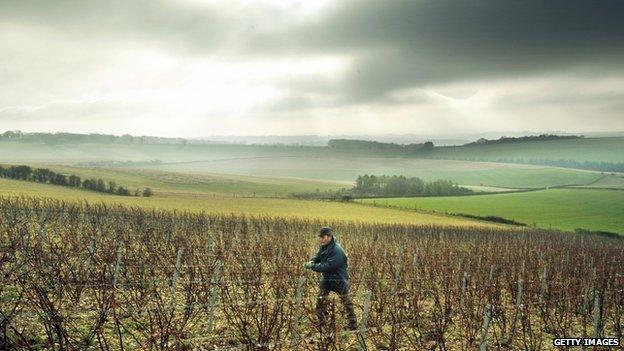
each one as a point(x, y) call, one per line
point(601, 154)
point(369, 144)
point(523, 139)
point(59, 138)
point(70, 138)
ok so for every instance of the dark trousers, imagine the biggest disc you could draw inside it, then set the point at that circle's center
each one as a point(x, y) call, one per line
point(342, 289)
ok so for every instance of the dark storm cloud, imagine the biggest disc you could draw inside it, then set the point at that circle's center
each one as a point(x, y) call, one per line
point(393, 44)
point(390, 45)
point(402, 44)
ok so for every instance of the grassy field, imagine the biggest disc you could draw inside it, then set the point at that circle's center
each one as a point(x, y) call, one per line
point(347, 169)
point(567, 209)
point(85, 152)
point(297, 162)
point(205, 183)
point(487, 189)
point(248, 179)
point(608, 182)
point(585, 149)
point(197, 202)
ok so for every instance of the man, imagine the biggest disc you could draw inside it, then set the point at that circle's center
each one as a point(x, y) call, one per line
point(331, 260)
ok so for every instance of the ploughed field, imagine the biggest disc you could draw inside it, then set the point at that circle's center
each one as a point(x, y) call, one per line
point(112, 277)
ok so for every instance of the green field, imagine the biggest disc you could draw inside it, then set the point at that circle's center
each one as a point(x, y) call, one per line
point(347, 169)
point(567, 209)
point(260, 179)
point(69, 153)
point(608, 182)
point(316, 163)
point(213, 203)
point(193, 183)
point(584, 149)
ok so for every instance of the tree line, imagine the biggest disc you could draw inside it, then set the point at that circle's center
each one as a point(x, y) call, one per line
point(399, 185)
point(389, 186)
point(44, 175)
point(522, 139)
point(370, 145)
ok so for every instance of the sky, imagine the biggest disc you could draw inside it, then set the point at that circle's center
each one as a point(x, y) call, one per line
point(196, 68)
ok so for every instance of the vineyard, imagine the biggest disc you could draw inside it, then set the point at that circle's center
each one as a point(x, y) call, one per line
point(85, 276)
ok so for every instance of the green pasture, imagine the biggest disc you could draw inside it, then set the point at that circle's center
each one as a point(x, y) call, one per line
point(566, 209)
point(347, 169)
point(608, 182)
point(205, 183)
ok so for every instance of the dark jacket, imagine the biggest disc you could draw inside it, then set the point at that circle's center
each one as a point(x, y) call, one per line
point(331, 260)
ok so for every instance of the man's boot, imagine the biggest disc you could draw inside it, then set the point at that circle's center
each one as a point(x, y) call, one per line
point(348, 309)
point(321, 309)
point(352, 325)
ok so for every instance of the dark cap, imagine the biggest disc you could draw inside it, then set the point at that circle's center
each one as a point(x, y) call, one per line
point(325, 231)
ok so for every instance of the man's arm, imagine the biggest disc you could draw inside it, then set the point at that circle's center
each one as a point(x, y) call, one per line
point(332, 264)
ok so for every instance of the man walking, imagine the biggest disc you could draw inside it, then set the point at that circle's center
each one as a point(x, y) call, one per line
point(331, 260)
